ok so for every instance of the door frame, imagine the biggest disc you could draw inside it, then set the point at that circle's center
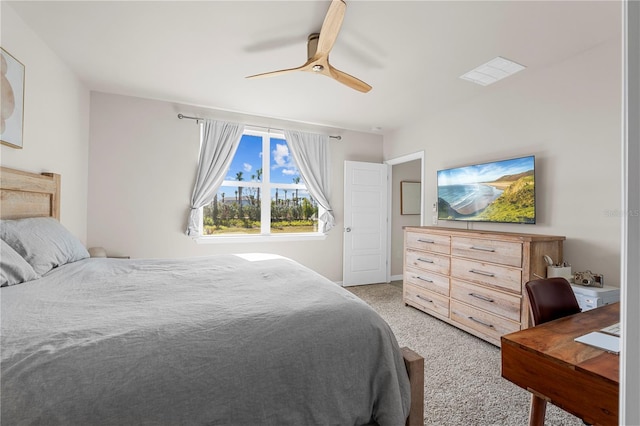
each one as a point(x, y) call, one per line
point(630, 249)
point(419, 155)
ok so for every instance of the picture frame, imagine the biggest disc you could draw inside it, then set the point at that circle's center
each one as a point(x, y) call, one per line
point(12, 97)
point(410, 197)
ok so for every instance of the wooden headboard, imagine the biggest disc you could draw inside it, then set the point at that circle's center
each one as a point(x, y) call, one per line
point(24, 194)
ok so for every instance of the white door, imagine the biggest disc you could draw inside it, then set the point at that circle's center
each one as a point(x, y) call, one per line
point(365, 223)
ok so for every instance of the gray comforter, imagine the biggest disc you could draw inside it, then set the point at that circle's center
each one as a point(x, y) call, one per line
point(228, 340)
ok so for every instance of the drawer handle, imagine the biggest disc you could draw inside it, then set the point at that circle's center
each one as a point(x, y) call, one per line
point(424, 279)
point(486, 274)
point(421, 259)
point(480, 248)
point(422, 298)
point(480, 322)
point(420, 240)
point(481, 297)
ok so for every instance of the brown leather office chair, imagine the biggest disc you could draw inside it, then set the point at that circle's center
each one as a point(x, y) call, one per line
point(549, 299)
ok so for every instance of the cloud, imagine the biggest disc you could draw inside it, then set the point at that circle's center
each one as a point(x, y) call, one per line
point(247, 167)
point(281, 155)
point(283, 160)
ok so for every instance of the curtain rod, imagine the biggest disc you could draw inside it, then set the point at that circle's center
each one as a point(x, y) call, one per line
point(181, 116)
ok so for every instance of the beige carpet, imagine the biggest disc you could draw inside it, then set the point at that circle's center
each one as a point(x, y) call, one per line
point(462, 373)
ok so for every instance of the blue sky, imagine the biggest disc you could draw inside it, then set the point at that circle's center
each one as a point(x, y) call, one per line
point(248, 159)
point(486, 172)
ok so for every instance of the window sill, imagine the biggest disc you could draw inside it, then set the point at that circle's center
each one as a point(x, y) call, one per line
point(226, 239)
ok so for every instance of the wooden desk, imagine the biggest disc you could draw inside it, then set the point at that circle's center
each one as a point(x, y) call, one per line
point(580, 379)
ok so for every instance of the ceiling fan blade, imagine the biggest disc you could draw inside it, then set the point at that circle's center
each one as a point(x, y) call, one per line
point(274, 73)
point(331, 27)
point(349, 80)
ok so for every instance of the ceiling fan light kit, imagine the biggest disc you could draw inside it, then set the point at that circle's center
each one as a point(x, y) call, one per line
point(319, 46)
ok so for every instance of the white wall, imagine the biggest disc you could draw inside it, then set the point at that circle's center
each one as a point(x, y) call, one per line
point(569, 116)
point(142, 163)
point(56, 120)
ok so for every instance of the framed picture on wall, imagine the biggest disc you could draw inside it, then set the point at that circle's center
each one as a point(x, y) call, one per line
point(12, 100)
point(409, 197)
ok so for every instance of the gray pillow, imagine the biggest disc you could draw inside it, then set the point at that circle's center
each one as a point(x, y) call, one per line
point(43, 242)
point(13, 268)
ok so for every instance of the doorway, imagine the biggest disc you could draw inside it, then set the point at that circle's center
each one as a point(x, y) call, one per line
point(408, 168)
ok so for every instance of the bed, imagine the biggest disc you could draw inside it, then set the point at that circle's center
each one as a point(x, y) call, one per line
point(245, 339)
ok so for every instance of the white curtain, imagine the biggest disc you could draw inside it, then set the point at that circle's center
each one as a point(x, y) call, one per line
point(220, 141)
point(310, 152)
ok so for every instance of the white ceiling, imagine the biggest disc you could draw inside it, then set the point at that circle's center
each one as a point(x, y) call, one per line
point(412, 52)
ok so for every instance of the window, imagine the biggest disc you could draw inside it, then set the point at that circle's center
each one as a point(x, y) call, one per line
point(263, 192)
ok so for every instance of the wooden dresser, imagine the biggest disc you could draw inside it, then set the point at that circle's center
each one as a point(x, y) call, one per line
point(472, 279)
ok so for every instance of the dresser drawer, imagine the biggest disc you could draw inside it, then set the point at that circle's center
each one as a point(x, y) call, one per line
point(428, 261)
point(502, 304)
point(429, 242)
point(426, 300)
point(487, 273)
point(502, 252)
point(491, 326)
point(427, 280)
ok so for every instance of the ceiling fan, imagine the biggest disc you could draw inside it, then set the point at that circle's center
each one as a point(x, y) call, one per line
point(319, 46)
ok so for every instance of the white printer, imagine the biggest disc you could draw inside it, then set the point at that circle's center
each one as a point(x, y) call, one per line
point(593, 297)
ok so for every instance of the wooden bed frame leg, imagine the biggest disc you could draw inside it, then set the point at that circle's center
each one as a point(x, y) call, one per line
point(415, 367)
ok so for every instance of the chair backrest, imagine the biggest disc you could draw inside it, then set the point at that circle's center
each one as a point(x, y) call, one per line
point(550, 299)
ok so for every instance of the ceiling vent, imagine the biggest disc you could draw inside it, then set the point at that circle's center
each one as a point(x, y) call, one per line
point(494, 70)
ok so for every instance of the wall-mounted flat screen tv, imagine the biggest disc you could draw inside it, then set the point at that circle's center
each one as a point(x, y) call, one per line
point(499, 191)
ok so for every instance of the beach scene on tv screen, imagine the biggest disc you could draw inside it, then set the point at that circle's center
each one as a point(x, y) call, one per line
point(501, 191)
